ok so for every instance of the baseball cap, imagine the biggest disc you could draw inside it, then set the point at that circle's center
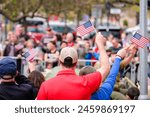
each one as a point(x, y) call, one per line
point(8, 66)
point(68, 52)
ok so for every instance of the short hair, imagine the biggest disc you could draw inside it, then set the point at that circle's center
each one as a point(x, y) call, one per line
point(86, 70)
point(54, 43)
point(116, 39)
point(133, 93)
point(58, 36)
point(68, 63)
point(64, 42)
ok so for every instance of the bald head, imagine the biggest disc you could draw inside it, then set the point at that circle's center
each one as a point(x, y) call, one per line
point(69, 37)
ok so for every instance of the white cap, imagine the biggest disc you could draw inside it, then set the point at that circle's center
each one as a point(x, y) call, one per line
point(68, 52)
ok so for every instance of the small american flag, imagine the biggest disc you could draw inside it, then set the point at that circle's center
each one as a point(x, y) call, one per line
point(85, 28)
point(19, 46)
point(30, 54)
point(139, 40)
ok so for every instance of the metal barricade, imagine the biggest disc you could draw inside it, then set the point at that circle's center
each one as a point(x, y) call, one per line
point(135, 75)
point(22, 66)
point(82, 62)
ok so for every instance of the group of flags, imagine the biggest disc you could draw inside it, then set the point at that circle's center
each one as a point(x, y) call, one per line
point(137, 38)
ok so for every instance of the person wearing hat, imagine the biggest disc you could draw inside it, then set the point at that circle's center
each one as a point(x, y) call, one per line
point(12, 85)
point(69, 86)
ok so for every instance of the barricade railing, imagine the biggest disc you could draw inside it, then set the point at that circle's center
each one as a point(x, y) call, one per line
point(22, 66)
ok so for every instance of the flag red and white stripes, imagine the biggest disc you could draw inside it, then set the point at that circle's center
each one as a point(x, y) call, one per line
point(140, 40)
point(30, 54)
point(85, 28)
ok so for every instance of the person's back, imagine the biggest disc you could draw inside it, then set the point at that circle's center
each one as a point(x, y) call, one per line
point(69, 86)
point(14, 91)
point(118, 96)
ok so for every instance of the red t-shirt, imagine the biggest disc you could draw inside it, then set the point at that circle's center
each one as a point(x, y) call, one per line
point(71, 44)
point(69, 86)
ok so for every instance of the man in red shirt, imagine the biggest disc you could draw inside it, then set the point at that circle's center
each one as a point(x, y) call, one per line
point(69, 86)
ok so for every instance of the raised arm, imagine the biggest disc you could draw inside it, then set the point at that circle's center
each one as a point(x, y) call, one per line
point(132, 52)
point(106, 88)
point(104, 62)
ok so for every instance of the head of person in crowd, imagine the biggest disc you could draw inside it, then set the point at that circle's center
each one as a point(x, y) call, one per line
point(109, 51)
point(49, 32)
point(51, 46)
point(9, 35)
point(133, 93)
point(38, 65)
point(68, 58)
point(86, 70)
point(8, 69)
point(63, 44)
point(12, 38)
point(116, 88)
point(64, 36)
point(57, 38)
point(78, 39)
point(49, 65)
point(115, 43)
point(69, 37)
point(36, 78)
point(19, 30)
point(110, 37)
point(87, 45)
point(30, 44)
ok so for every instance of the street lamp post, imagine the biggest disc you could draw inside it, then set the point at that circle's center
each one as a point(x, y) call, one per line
point(143, 53)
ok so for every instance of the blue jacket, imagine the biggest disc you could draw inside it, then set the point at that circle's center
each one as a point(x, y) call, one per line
point(104, 92)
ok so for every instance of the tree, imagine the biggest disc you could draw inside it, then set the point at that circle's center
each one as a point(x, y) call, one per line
point(56, 7)
point(16, 10)
point(19, 10)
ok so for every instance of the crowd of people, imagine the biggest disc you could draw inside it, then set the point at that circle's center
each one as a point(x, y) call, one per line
point(104, 79)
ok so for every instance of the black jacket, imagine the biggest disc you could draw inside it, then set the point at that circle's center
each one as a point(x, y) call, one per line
point(8, 48)
point(21, 90)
